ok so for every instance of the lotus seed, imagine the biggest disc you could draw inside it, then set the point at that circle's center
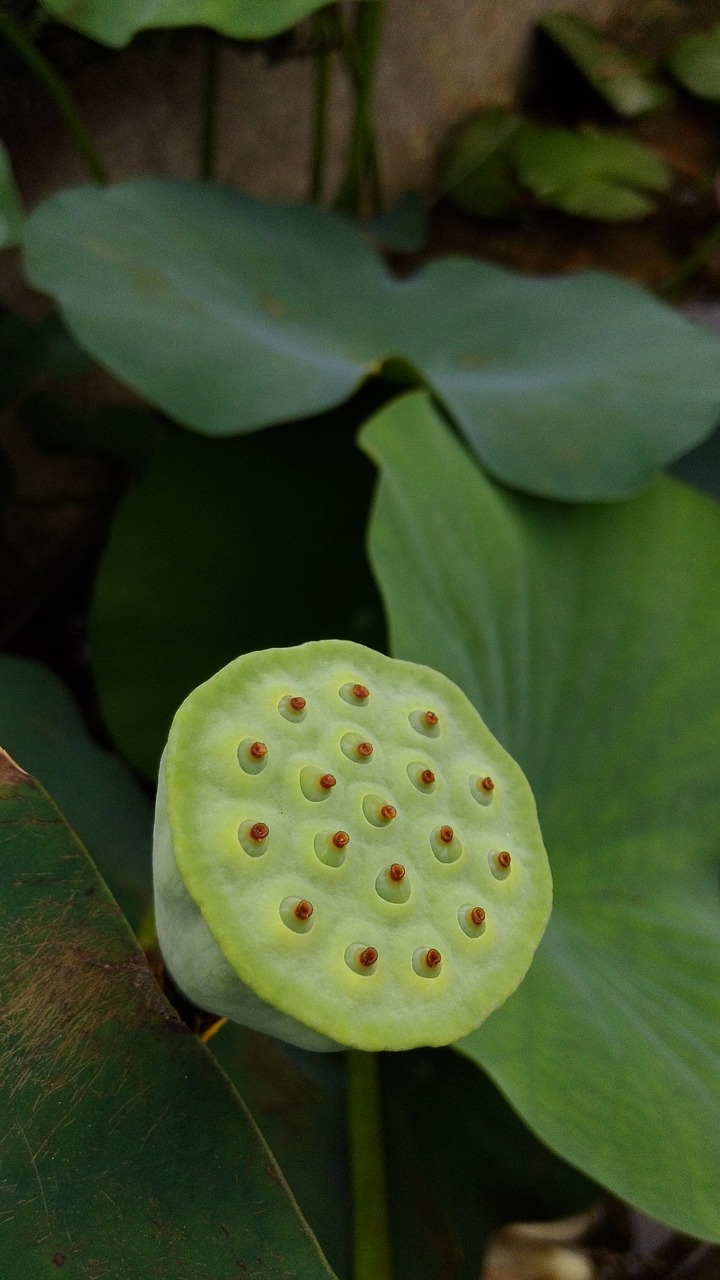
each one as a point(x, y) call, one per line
point(314, 785)
point(408, 772)
point(445, 844)
point(427, 962)
point(392, 883)
point(420, 776)
point(378, 811)
point(355, 748)
point(472, 921)
point(253, 837)
point(297, 914)
point(361, 959)
point(293, 708)
point(425, 722)
point(330, 847)
point(500, 864)
point(355, 694)
point(252, 756)
point(482, 788)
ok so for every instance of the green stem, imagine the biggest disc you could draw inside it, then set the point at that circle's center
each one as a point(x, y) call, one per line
point(211, 97)
point(325, 30)
point(360, 48)
point(372, 1254)
point(59, 92)
point(684, 273)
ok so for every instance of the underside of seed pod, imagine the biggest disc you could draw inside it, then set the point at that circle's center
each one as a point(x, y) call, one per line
point(344, 854)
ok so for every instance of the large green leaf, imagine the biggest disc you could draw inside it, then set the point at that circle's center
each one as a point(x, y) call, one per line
point(40, 724)
point(225, 547)
point(588, 637)
point(115, 22)
point(124, 1152)
point(232, 314)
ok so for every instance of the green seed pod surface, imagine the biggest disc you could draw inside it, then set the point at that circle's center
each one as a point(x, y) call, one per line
point(344, 854)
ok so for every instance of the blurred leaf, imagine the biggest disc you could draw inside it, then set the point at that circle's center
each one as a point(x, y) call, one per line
point(225, 547)
point(297, 1099)
point(115, 22)
point(231, 314)
point(21, 355)
point(588, 639)
point(477, 174)
point(124, 1152)
point(129, 436)
point(589, 173)
point(460, 1165)
point(695, 62)
point(29, 351)
point(40, 724)
point(446, 1127)
point(402, 229)
point(701, 467)
point(11, 210)
point(618, 77)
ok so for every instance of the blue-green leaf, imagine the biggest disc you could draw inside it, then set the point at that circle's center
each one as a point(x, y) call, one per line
point(589, 639)
point(231, 314)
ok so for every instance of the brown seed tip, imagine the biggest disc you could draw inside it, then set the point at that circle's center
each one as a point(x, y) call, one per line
point(258, 750)
point(364, 749)
point(427, 777)
point(360, 692)
point(327, 781)
point(487, 784)
point(446, 835)
point(503, 859)
point(432, 958)
point(303, 910)
point(388, 812)
point(368, 957)
point(477, 915)
point(340, 839)
point(259, 831)
point(397, 872)
point(430, 719)
point(297, 704)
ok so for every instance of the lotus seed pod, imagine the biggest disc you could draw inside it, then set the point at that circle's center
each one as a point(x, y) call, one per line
point(344, 854)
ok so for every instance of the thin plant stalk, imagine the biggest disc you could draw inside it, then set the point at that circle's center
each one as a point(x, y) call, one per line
point(360, 47)
point(326, 28)
point(372, 1255)
point(46, 74)
point(210, 106)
